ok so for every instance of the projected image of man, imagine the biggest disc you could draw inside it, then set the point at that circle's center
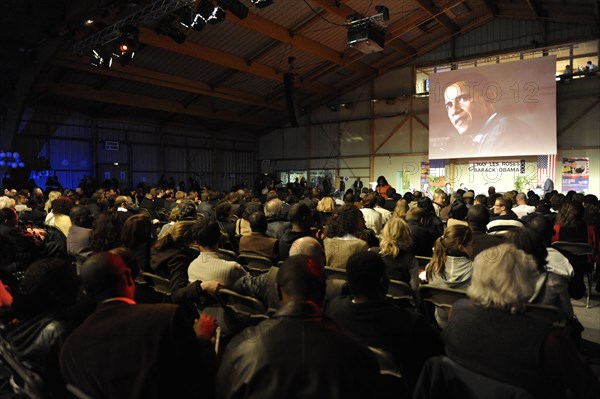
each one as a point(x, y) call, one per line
point(470, 109)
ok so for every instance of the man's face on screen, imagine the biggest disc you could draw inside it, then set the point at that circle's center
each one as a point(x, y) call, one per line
point(467, 109)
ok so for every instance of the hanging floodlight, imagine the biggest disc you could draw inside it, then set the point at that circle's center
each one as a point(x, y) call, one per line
point(236, 8)
point(261, 3)
point(186, 17)
point(166, 28)
point(101, 58)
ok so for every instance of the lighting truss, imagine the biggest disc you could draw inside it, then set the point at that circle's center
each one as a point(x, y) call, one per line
point(152, 12)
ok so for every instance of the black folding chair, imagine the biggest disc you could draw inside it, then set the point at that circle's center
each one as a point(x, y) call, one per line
point(581, 256)
point(400, 292)
point(24, 381)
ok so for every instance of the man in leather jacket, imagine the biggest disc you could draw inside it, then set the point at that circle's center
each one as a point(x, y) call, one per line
point(298, 352)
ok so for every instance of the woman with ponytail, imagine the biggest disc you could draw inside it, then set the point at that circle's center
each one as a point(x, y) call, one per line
point(173, 245)
point(450, 265)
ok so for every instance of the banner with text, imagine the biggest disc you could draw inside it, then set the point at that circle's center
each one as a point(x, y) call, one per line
point(575, 174)
point(495, 167)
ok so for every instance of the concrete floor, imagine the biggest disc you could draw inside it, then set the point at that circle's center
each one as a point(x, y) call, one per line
point(590, 318)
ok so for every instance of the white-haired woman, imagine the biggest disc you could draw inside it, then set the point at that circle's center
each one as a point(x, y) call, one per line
point(491, 334)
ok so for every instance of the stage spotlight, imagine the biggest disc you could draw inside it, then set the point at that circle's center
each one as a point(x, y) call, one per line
point(129, 40)
point(199, 23)
point(166, 28)
point(186, 18)
point(218, 15)
point(236, 8)
point(101, 58)
point(261, 3)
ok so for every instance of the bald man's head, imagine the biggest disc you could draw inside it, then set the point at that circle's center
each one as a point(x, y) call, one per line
point(105, 275)
point(308, 246)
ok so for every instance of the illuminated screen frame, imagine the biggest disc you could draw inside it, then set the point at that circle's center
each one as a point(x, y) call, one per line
point(500, 110)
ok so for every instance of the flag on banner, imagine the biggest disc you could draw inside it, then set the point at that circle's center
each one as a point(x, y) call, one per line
point(437, 167)
point(546, 165)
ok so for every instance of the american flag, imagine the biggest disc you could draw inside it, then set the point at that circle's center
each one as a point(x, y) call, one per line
point(546, 165)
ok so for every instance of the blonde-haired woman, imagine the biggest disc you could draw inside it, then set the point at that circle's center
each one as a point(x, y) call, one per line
point(493, 336)
point(51, 197)
point(394, 248)
point(325, 207)
point(401, 209)
point(450, 265)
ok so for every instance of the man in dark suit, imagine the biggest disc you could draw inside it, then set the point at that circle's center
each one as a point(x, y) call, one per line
point(125, 350)
point(259, 243)
point(478, 218)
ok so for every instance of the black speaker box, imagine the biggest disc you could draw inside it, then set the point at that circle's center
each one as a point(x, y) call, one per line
point(290, 98)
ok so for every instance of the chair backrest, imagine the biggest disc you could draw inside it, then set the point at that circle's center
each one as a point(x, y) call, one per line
point(422, 260)
point(573, 248)
point(228, 254)
point(391, 382)
point(254, 261)
point(78, 393)
point(442, 378)
point(399, 290)
point(440, 296)
point(333, 272)
point(27, 382)
point(160, 284)
point(238, 305)
point(335, 287)
point(546, 312)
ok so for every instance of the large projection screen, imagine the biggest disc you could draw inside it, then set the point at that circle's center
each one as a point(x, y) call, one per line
point(506, 109)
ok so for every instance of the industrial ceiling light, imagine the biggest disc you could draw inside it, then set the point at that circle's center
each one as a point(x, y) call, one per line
point(261, 3)
point(129, 40)
point(166, 28)
point(101, 58)
point(367, 34)
point(218, 15)
point(186, 17)
point(236, 8)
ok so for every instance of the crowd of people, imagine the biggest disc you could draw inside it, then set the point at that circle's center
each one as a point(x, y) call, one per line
point(78, 307)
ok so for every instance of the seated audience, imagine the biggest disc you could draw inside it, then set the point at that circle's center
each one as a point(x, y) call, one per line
point(59, 216)
point(325, 207)
point(394, 247)
point(401, 209)
point(374, 320)
point(301, 221)
point(43, 318)
point(78, 239)
point(298, 352)
point(175, 249)
point(422, 238)
point(373, 219)
point(492, 336)
point(20, 248)
point(550, 288)
point(259, 243)
point(430, 220)
point(277, 226)
point(571, 227)
point(209, 265)
point(503, 219)
point(263, 286)
point(126, 350)
point(478, 218)
point(522, 208)
point(137, 234)
point(451, 264)
point(341, 236)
